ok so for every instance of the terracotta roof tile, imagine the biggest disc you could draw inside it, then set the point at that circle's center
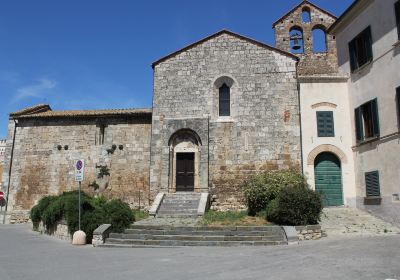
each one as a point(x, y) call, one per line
point(33, 112)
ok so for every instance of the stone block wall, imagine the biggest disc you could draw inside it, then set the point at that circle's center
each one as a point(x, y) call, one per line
point(46, 149)
point(310, 232)
point(263, 131)
point(59, 231)
point(323, 63)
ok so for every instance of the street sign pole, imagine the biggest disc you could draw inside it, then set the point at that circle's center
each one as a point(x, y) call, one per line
point(79, 174)
point(80, 185)
point(79, 237)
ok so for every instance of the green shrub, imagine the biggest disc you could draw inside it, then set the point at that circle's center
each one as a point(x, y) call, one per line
point(38, 210)
point(294, 207)
point(95, 211)
point(119, 215)
point(263, 188)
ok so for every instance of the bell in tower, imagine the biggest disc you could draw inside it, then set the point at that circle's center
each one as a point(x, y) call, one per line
point(295, 38)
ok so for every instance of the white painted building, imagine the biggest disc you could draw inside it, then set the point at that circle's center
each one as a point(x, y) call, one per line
point(368, 46)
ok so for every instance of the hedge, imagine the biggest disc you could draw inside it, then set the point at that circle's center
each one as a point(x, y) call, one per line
point(95, 211)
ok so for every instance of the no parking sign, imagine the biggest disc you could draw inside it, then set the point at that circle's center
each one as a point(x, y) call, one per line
point(79, 170)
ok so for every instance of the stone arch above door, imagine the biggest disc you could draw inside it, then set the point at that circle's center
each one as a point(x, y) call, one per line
point(183, 135)
point(326, 148)
point(185, 153)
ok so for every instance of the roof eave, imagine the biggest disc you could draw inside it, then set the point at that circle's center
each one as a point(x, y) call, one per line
point(117, 115)
point(352, 11)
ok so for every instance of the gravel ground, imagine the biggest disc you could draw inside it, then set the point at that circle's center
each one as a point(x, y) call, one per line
point(351, 221)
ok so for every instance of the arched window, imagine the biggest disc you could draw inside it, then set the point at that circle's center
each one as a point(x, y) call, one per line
point(319, 40)
point(224, 101)
point(306, 15)
point(296, 40)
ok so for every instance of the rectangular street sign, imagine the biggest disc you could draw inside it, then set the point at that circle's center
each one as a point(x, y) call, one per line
point(79, 170)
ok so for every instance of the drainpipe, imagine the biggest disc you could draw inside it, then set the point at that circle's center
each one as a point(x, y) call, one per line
point(10, 170)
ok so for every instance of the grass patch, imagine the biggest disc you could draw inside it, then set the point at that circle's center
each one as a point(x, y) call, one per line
point(140, 214)
point(231, 218)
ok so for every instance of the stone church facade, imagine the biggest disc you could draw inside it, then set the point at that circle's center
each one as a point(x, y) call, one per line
point(261, 131)
point(224, 108)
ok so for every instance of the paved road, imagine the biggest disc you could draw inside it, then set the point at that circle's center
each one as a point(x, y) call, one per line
point(28, 255)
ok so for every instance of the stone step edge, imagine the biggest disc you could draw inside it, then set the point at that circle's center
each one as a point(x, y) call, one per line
point(199, 233)
point(199, 237)
point(205, 228)
point(196, 243)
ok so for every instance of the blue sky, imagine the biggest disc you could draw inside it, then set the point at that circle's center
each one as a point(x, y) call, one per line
point(92, 54)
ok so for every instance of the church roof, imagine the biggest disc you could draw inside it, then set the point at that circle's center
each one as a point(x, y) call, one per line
point(305, 2)
point(44, 111)
point(224, 31)
point(32, 110)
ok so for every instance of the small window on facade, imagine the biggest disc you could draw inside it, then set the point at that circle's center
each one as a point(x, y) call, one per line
point(361, 49)
point(372, 184)
point(398, 106)
point(367, 121)
point(325, 124)
point(397, 11)
point(224, 101)
point(296, 40)
point(306, 15)
point(102, 132)
point(319, 40)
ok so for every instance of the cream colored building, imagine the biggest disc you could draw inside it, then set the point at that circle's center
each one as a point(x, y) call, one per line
point(327, 95)
point(368, 46)
point(327, 157)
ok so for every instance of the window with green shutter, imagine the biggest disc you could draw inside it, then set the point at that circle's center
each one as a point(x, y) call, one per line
point(372, 183)
point(367, 121)
point(360, 49)
point(325, 124)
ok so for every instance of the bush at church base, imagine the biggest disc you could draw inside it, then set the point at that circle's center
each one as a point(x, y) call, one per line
point(260, 190)
point(95, 211)
point(295, 207)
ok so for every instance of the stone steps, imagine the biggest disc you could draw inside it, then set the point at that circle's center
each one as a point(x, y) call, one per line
point(171, 236)
point(179, 243)
point(195, 237)
point(179, 205)
point(202, 233)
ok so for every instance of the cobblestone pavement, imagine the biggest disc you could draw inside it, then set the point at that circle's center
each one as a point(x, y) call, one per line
point(351, 221)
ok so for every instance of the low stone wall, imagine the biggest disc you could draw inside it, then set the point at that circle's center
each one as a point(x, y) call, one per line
point(60, 231)
point(16, 217)
point(310, 232)
point(100, 234)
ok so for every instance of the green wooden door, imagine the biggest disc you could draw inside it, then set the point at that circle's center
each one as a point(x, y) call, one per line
point(328, 179)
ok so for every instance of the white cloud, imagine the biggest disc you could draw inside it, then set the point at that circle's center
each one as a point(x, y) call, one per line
point(37, 90)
